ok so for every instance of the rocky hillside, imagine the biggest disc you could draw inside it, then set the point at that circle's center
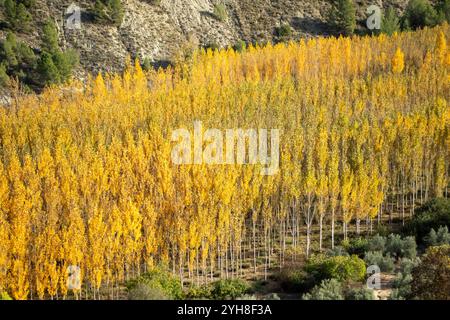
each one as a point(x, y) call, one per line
point(157, 29)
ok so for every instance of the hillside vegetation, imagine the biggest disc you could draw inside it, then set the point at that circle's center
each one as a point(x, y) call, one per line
point(157, 32)
point(87, 178)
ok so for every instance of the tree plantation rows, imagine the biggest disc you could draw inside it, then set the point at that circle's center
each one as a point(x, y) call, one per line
point(86, 177)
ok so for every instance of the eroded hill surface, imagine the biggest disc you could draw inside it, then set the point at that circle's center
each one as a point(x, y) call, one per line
point(158, 31)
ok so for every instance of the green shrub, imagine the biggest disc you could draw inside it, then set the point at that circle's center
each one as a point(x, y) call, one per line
point(431, 278)
point(443, 11)
point(8, 48)
point(50, 37)
point(55, 66)
point(212, 45)
point(196, 292)
point(402, 287)
point(432, 215)
point(437, 238)
point(109, 11)
point(337, 251)
point(377, 243)
point(397, 294)
point(4, 78)
point(16, 58)
point(391, 22)
point(161, 280)
point(117, 12)
point(419, 14)
point(15, 53)
point(360, 294)
point(401, 248)
point(283, 32)
point(48, 70)
point(147, 64)
point(407, 265)
point(221, 290)
point(240, 46)
point(394, 245)
point(17, 14)
point(229, 289)
point(329, 289)
point(143, 291)
point(343, 16)
point(358, 246)
point(339, 267)
point(385, 263)
point(402, 280)
point(220, 12)
point(382, 230)
point(296, 280)
point(65, 62)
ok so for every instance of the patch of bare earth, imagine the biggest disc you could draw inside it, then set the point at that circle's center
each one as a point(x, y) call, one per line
point(386, 280)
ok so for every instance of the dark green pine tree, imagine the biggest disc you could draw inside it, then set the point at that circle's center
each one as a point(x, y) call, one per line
point(343, 16)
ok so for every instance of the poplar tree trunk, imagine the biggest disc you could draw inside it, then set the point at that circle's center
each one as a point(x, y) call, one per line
point(320, 232)
point(332, 228)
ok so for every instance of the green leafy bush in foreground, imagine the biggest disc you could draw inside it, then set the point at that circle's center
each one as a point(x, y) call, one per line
point(159, 281)
point(357, 246)
point(338, 267)
point(439, 238)
point(296, 280)
point(225, 289)
point(377, 243)
point(432, 215)
point(401, 248)
point(229, 289)
point(385, 263)
point(329, 289)
point(360, 294)
point(431, 278)
point(143, 291)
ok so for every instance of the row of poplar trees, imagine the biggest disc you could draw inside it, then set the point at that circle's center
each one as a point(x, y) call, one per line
point(87, 180)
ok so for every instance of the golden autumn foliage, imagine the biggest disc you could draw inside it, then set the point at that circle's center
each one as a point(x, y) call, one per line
point(86, 176)
point(398, 62)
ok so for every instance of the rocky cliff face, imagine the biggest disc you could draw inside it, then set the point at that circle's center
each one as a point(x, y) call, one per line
point(157, 31)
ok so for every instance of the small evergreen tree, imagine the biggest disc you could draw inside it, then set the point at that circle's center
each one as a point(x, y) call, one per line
point(441, 237)
point(48, 70)
point(240, 46)
point(4, 78)
point(283, 32)
point(17, 58)
point(23, 18)
point(109, 11)
point(17, 14)
point(117, 12)
point(50, 37)
point(55, 66)
point(330, 289)
point(443, 11)
point(343, 16)
point(390, 23)
point(360, 294)
point(100, 11)
point(8, 50)
point(10, 11)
